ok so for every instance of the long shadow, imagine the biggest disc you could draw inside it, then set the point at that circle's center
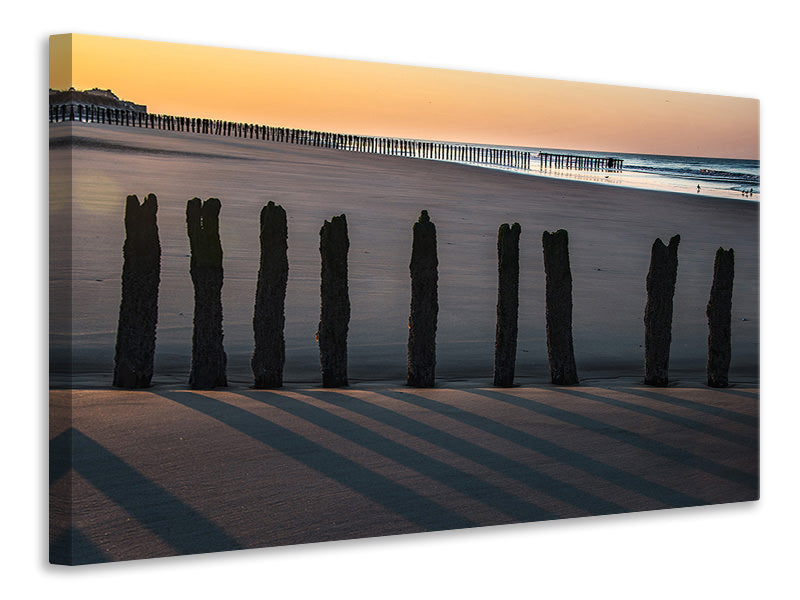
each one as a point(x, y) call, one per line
point(753, 394)
point(628, 437)
point(379, 489)
point(698, 406)
point(60, 455)
point(508, 467)
point(665, 416)
point(72, 548)
point(579, 461)
point(180, 526)
point(465, 483)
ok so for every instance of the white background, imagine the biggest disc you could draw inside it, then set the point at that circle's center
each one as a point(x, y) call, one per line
point(730, 48)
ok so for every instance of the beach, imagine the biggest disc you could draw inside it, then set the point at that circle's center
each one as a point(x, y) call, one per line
point(611, 230)
point(167, 471)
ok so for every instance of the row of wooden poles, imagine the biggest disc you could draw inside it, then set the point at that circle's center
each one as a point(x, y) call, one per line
point(517, 159)
point(138, 314)
point(585, 163)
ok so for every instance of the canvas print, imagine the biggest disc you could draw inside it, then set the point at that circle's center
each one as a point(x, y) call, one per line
point(298, 299)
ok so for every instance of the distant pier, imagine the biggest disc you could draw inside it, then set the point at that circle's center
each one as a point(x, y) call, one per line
point(579, 162)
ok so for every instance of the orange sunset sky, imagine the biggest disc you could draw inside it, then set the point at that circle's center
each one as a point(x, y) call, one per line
point(367, 98)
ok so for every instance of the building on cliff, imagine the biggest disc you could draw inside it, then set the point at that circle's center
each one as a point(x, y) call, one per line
point(95, 97)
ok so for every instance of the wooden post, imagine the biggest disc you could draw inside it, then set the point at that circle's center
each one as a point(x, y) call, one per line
point(424, 304)
point(138, 310)
point(335, 302)
point(558, 301)
point(505, 341)
point(208, 355)
point(269, 354)
point(718, 312)
point(661, 280)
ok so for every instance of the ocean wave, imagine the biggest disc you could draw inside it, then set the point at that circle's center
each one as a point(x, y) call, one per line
point(696, 173)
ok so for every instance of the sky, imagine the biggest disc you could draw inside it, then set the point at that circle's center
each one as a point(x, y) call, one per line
point(367, 98)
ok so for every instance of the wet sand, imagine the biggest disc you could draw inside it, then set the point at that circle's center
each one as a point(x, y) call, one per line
point(611, 230)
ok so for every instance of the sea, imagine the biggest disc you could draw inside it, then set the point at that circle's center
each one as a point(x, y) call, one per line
point(719, 177)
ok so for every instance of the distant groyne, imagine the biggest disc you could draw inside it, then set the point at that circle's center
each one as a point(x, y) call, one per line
point(579, 162)
point(447, 151)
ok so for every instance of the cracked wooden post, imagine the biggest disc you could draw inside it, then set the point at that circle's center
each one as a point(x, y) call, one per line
point(505, 341)
point(335, 302)
point(658, 312)
point(558, 308)
point(269, 354)
point(208, 354)
point(424, 304)
point(718, 312)
point(138, 310)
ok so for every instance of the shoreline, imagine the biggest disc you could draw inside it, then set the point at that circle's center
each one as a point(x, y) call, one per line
point(626, 178)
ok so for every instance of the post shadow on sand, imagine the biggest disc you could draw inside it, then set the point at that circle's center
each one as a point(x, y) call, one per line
point(718, 312)
point(334, 321)
point(505, 341)
point(625, 436)
point(417, 508)
point(269, 353)
point(558, 298)
point(380, 411)
point(457, 479)
point(424, 312)
point(138, 310)
point(688, 422)
point(208, 355)
point(708, 408)
point(156, 509)
point(582, 461)
point(658, 312)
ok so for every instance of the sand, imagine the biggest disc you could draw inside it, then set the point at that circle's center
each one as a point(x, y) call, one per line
point(611, 230)
point(167, 471)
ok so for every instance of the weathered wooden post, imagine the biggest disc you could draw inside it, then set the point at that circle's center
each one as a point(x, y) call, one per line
point(658, 312)
point(558, 308)
point(269, 354)
point(718, 312)
point(208, 355)
point(505, 341)
point(335, 302)
point(138, 310)
point(424, 304)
